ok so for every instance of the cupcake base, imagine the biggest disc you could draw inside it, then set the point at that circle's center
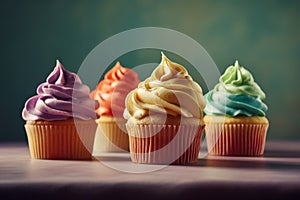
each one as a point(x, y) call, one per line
point(111, 136)
point(235, 136)
point(61, 139)
point(164, 144)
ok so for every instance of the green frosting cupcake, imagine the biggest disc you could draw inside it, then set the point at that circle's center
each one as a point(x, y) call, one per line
point(236, 94)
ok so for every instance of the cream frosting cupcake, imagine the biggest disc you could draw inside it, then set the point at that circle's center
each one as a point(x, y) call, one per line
point(164, 116)
point(235, 115)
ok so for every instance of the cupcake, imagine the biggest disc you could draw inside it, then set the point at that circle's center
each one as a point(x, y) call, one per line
point(164, 116)
point(111, 134)
point(60, 119)
point(235, 115)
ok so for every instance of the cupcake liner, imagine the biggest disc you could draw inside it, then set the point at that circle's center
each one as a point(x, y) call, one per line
point(110, 138)
point(164, 144)
point(236, 139)
point(61, 140)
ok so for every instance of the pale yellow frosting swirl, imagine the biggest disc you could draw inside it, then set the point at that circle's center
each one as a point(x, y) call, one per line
point(169, 90)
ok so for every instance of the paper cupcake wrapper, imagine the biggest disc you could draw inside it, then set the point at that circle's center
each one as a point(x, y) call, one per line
point(110, 138)
point(61, 140)
point(164, 144)
point(236, 139)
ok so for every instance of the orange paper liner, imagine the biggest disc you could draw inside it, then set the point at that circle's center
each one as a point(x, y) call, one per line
point(61, 140)
point(236, 139)
point(173, 144)
point(111, 138)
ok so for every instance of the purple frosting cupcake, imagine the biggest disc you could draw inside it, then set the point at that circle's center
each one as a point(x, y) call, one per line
point(60, 119)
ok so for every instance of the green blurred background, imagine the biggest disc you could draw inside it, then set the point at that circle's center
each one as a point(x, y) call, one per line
point(263, 35)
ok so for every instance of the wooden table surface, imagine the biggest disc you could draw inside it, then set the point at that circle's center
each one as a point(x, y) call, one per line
point(276, 175)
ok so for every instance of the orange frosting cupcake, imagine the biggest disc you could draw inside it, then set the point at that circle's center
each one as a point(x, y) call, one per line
point(111, 135)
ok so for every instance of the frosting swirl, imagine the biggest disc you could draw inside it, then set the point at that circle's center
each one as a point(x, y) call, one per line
point(169, 89)
point(238, 80)
point(236, 94)
point(61, 97)
point(112, 91)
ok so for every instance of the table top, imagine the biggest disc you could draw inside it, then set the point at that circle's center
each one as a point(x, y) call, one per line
point(275, 175)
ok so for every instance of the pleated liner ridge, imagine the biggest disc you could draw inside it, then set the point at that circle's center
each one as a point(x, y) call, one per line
point(236, 139)
point(115, 139)
point(162, 147)
point(61, 140)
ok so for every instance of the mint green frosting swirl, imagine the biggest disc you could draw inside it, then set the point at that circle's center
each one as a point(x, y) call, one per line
point(236, 94)
point(238, 80)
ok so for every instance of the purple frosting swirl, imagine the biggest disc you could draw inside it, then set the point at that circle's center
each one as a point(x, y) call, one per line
point(61, 97)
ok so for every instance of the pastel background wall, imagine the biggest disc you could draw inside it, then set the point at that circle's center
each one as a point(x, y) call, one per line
point(263, 35)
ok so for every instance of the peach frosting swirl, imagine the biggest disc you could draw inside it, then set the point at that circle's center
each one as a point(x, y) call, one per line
point(112, 91)
point(169, 90)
